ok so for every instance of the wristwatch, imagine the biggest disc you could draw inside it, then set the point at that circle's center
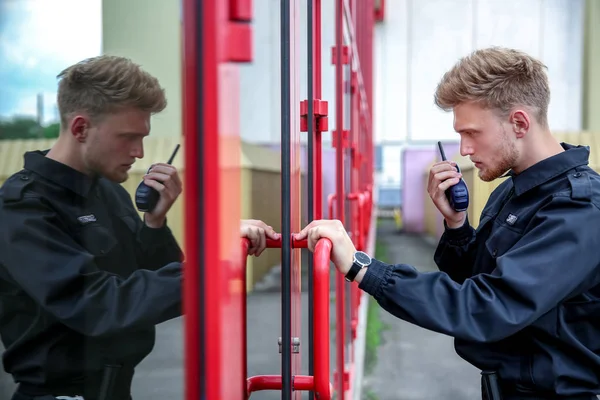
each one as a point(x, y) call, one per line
point(361, 260)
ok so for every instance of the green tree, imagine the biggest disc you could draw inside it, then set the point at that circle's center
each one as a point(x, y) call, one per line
point(52, 131)
point(26, 128)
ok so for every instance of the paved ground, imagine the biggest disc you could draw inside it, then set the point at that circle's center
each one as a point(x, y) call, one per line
point(414, 363)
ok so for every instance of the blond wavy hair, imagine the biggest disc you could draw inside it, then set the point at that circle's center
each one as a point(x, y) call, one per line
point(497, 78)
point(104, 84)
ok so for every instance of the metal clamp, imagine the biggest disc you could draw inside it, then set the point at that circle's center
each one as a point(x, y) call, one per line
point(295, 345)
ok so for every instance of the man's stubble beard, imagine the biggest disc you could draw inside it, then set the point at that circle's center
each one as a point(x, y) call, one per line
point(97, 167)
point(508, 159)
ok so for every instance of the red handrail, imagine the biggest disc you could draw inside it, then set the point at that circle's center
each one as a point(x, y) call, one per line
point(273, 382)
point(296, 244)
point(359, 223)
point(319, 383)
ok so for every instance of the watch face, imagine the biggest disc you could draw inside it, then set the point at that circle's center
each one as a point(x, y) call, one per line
point(362, 258)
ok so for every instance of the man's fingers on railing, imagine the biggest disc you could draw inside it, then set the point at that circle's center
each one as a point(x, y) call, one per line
point(262, 241)
point(313, 238)
point(254, 236)
point(303, 234)
point(270, 232)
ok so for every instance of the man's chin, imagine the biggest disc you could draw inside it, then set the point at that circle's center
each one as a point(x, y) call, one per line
point(486, 176)
point(117, 177)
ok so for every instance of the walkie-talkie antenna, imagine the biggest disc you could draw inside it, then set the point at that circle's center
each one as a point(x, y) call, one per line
point(173, 155)
point(442, 151)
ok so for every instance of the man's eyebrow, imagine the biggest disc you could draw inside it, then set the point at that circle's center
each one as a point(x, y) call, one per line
point(133, 134)
point(467, 129)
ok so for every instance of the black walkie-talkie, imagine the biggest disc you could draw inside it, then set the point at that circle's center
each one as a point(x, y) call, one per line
point(457, 195)
point(147, 197)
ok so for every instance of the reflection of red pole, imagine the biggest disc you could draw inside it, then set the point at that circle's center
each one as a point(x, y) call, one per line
point(359, 221)
point(318, 192)
point(319, 384)
point(245, 247)
point(330, 200)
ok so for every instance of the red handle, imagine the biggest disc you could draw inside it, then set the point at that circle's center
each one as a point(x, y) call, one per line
point(296, 244)
point(273, 382)
point(319, 383)
point(322, 257)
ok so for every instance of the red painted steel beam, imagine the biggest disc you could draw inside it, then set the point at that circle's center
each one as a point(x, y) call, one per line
point(191, 303)
point(317, 137)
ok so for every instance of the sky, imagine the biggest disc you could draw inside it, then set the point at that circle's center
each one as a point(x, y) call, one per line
point(38, 39)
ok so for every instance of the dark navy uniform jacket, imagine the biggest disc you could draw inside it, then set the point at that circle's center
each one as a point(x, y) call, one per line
point(82, 280)
point(521, 293)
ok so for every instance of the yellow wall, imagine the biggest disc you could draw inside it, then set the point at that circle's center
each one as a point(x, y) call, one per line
point(149, 32)
point(591, 67)
point(479, 191)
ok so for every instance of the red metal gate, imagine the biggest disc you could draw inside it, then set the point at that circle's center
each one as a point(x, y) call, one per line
point(217, 36)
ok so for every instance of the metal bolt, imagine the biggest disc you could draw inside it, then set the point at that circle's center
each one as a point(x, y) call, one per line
point(295, 344)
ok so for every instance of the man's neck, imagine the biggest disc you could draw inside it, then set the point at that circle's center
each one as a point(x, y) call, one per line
point(538, 149)
point(62, 153)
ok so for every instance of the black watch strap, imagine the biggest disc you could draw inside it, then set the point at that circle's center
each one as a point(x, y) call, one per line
point(361, 260)
point(354, 270)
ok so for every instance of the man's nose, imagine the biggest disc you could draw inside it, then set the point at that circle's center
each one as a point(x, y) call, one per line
point(138, 151)
point(465, 149)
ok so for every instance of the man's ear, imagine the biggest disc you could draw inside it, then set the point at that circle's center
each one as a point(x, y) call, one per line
point(79, 128)
point(520, 121)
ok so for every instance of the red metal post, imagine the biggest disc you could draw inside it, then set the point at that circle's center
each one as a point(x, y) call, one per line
point(245, 247)
point(191, 305)
point(214, 316)
point(340, 209)
point(318, 178)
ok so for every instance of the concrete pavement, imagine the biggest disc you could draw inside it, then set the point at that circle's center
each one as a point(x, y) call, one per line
point(414, 363)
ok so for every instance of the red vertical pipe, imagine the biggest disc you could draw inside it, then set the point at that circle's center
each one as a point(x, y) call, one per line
point(191, 304)
point(354, 168)
point(318, 178)
point(369, 58)
point(339, 105)
point(364, 65)
point(360, 40)
point(371, 81)
point(339, 109)
point(354, 136)
point(245, 247)
point(209, 23)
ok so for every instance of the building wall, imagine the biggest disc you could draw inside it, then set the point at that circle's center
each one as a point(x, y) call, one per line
point(414, 196)
point(149, 32)
point(420, 40)
point(591, 116)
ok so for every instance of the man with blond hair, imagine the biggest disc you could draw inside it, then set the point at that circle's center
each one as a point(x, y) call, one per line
point(83, 279)
point(521, 293)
